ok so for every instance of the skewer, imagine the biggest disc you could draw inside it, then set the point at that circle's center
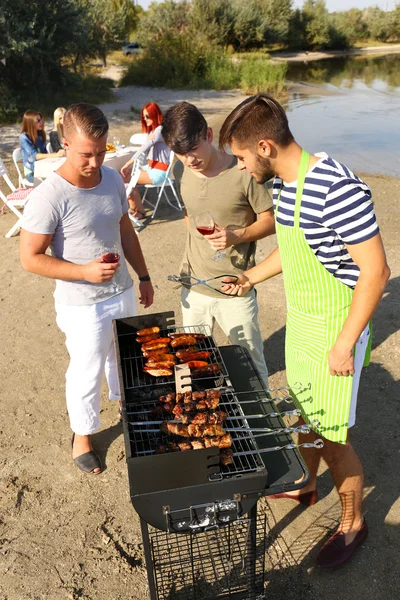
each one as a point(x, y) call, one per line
point(300, 429)
point(286, 413)
point(238, 417)
point(317, 444)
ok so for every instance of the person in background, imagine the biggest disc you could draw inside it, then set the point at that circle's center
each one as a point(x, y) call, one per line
point(57, 135)
point(33, 142)
point(158, 155)
point(335, 271)
point(80, 211)
point(207, 179)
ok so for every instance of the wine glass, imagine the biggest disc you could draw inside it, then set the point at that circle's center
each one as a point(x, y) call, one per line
point(205, 225)
point(117, 144)
point(111, 253)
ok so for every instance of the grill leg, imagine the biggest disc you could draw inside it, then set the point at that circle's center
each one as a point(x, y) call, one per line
point(251, 555)
point(149, 559)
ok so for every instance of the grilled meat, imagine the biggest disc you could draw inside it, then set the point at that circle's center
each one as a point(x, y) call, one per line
point(157, 372)
point(183, 340)
point(148, 331)
point(226, 457)
point(146, 338)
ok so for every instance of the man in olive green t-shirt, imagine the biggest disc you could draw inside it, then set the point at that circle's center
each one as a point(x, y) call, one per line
point(208, 180)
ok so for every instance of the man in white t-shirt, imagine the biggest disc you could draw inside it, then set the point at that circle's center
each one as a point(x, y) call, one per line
point(81, 213)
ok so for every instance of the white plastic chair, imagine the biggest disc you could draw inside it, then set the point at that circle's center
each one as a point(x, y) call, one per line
point(17, 198)
point(49, 148)
point(137, 167)
point(167, 183)
point(17, 157)
point(138, 139)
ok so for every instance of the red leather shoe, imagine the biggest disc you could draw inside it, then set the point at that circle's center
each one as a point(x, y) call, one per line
point(308, 498)
point(334, 553)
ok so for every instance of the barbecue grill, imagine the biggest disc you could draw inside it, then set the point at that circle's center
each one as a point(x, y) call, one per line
point(189, 499)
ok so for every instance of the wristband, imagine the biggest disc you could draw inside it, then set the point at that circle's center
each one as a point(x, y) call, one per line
point(144, 278)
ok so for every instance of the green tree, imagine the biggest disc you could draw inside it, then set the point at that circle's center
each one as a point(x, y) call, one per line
point(276, 16)
point(248, 26)
point(378, 23)
point(160, 19)
point(213, 19)
point(316, 20)
point(350, 24)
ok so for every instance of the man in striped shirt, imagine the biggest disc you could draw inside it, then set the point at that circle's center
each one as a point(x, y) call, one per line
point(334, 267)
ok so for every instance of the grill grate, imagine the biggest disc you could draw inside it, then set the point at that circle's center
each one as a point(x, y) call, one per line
point(133, 360)
point(144, 442)
point(224, 563)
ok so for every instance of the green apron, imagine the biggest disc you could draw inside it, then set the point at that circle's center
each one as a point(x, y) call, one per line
point(317, 307)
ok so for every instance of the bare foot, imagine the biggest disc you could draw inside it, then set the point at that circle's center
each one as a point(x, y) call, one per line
point(81, 445)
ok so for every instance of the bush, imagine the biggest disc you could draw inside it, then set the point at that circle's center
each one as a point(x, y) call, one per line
point(78, 88)
point(181, 62)
point(260, 75)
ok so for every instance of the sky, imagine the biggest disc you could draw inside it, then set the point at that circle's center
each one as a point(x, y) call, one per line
point(332, 5)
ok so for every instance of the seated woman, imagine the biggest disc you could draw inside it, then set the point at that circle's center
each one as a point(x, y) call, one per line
point(157, 157)
point(33, 142)
point(57, 134)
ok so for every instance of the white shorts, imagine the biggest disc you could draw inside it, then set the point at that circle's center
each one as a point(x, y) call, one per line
point(360, 349)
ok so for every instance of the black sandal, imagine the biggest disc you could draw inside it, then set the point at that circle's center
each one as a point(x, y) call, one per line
point(87, 462)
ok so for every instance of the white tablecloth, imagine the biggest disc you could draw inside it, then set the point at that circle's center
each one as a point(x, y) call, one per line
point(43, 168)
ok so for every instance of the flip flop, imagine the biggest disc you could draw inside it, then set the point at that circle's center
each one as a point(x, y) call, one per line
point(87, 462)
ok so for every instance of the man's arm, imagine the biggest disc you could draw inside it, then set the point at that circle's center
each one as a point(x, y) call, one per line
point(370, 257)
point(224, 238)
point(134, 255)
point(34, 259)
point(266, 269)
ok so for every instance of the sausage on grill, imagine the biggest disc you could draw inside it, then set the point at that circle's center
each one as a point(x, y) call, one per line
point(212, 369)
point(186, 355)
point(151, 370)
point(147, 331)
point(183, 340)
point(162, 364)
point(146, 338)
point(197, 364)
point(155, 345)
point(161, 358)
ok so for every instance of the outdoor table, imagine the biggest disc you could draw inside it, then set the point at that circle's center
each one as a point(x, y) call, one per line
point(46, 166)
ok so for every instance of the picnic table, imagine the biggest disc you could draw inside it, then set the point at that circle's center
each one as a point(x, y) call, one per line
point(115, 160)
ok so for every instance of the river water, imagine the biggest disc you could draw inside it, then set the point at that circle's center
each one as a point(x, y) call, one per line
point(350, 109)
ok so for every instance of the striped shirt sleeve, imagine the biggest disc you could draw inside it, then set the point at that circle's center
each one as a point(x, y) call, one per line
point(349, 211)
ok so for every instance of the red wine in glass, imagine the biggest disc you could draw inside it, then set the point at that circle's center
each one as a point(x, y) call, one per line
point(206, 230)
point(205, 225)
point(110, 257)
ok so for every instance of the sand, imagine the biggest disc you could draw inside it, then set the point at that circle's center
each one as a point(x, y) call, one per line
point(66, 535)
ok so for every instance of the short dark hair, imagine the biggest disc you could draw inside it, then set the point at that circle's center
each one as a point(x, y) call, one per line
point(183, 127)
point(258, 117)
point(86, 118)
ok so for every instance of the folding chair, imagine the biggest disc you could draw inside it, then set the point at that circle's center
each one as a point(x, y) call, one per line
point(167, 183)
point(17, 157)
point(138, 139)
point(49, 148)
point(17, 198)
point(137, 167)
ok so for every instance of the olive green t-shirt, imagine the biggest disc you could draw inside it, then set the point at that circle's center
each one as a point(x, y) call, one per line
point(234, 199)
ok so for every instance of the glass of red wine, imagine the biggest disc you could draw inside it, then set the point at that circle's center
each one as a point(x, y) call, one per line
point(205, 225)
point(111, 253)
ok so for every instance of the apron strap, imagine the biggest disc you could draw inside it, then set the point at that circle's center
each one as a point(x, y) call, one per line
point(304, 162)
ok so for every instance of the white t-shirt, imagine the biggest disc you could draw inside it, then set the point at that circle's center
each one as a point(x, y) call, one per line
point(80, 221)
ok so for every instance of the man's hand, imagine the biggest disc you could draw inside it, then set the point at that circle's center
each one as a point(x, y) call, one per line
point(341, 361)
point(236, 287)
point(146, 293)
point(99, 272)
point(222, 238)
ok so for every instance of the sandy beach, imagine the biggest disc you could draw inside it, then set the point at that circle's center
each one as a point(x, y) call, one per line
point(66, 535)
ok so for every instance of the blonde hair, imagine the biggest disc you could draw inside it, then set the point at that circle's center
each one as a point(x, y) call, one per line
point(59, 112)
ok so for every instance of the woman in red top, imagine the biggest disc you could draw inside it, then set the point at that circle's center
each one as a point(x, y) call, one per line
point(157, 157)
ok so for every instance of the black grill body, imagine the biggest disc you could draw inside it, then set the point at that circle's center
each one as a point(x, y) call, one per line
point(190, 491)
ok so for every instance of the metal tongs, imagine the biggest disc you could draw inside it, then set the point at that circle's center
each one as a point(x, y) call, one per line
point(190, 281)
